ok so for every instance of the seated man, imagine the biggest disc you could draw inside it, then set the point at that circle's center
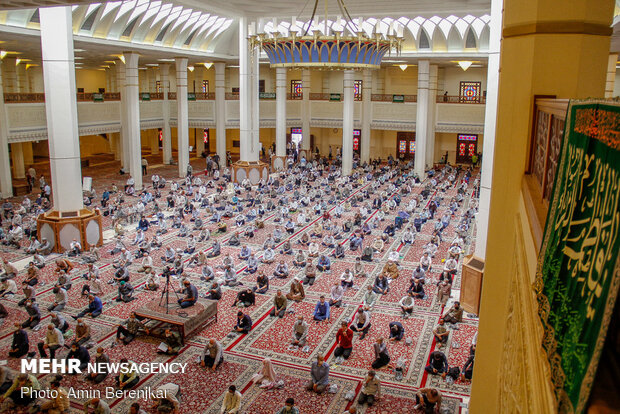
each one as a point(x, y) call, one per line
point(321, 310)
point(361, 323)
point(128, 376)
point(454, 314)
point(245, 252)
point(82, 332)
point(358, 268)
point(268, 256)
point(338, 252)
point(300, 332)
point(406, 305)
point(214, 291)
point(80, 353)
point(215, 249)
point(128, 333)
point(337, 293)
point(212, 355)
point(397, 331)
point(367, 253)
point(344, 341)
point(245, 298)
point(309, 273)
point(20, 344)
point(417, 290)
point(171, 345)
point(441, 333)
point(370, 298)
point(53, 341)
point(438, 364)
point(279, 305)
point(313, 249)
point(21, 393)
point(300, 259)
point(191, 295)
point(324, 264)
point(428, 400)
point(296, 291)
point(281, 271)
point(286, 248)
point(381, 285)
point(391, 269)
point(244, 323)
point(125, 292)
point(319, 375)
point(262, 283)
point(371, 389)
point(234, 240)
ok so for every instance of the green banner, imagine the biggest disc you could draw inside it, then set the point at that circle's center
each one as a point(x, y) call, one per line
point(398, 98)
point(97, 97)
point(578, 272)
point(334, 97)
point(266, 95)
point(191, 96)
point(145, 96)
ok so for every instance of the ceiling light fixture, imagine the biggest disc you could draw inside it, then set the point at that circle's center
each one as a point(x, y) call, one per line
point(122, 58)
point(190, 68)
point(17, 61)
point(464, 64)
point(403, 67)
point(3, 53)
point(165, 60)
point(208, 65)
point(316, 48)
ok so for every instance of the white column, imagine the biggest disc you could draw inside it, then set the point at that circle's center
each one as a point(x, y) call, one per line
point(61, 107)
point(421, 122)
point(22, 79)
point(165, 133)
point(347, 124)
point(17, 156)
point(132, 108)
point(10, 75)
point(28, 153)
point(325, 82)
point(432, 109)
point(490, 121)
point(248, 137)
point(123, 134)
point(108, 79)
point(154, 138)
point(220, 111)
point(182, 116)
point(611, 75)
point(280, 112)
point(366, 116)
point(200, 141)
point(305, 111)
point(113, 78)
point(255, 103)
point(6, 184)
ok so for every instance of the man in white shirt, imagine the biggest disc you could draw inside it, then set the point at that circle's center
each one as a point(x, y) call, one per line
point(53, 341)
point(232, 401)
point(337, 293)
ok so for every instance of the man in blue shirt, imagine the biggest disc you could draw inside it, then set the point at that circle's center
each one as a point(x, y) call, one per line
point(319, 373)
point(191, 295)
point(94, 308)
point(321, 310)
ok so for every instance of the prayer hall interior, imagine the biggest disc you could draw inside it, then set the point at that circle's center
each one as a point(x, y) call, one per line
point(293, 206)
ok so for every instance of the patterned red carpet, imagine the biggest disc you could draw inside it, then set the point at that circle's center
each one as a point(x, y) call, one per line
point(202, 391)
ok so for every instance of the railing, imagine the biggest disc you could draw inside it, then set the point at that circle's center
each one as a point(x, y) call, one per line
point(172, 96)
point(461, 99)
point(205, 96)
point(389, 97)
point(24, 97)
point(232, 96)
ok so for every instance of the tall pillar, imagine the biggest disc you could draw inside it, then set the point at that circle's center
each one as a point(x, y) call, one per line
point(6, 184)
point(108, 79)
point(280, 112)
point(421, 122)
point(153, 80)
point(61, 107)
point(113, 78)
point(154, 140)
point(10, 75)
point(32, 76)
point(124, 132)
point(366, 116)
point(432, 110)
point(182, 116)
point(490, 122)
point(200, 141)
point(611, 75)
point(17, 157)
point(166, 136)
point(347, 123)
point(22, 78)
point(113, 140)
point(538, 38)
point(132, 107)
point(249, 138)
point(28, 154)
point(220, 111)
point(305, 111)
point(325, 82)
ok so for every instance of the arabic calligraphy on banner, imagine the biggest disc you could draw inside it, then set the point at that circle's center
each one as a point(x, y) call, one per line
point(578, 267)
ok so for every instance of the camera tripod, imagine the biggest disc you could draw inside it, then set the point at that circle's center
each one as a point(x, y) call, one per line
point(166, 291)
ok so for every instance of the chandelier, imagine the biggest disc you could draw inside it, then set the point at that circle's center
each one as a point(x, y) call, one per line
point(317, 50)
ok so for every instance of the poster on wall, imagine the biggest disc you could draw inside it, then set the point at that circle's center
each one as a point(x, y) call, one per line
point(578, 272)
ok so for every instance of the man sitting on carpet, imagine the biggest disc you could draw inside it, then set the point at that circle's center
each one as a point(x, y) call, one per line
point(212, 355)
point(244, 323)
point(129, 333)
point(191, 295)
point(319, 373)
point(172, 343)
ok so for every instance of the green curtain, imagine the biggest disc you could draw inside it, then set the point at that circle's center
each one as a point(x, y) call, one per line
point(578, 267)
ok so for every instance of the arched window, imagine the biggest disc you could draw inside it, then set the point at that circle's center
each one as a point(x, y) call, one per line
point(470, 40)
point(424, 42)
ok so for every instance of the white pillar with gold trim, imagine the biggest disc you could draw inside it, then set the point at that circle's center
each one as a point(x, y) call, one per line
point(347, 123)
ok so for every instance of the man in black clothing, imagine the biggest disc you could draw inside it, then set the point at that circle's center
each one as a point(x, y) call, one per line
point(34, 315)
point(244, 323)
point(20, 344)
point(438, 364)
point(81, 353)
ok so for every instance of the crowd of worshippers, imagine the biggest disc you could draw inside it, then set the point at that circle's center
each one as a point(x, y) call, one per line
point(309, 196)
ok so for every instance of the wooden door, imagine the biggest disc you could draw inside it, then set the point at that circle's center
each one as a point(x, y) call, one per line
point(405, 145)
point(466, 147)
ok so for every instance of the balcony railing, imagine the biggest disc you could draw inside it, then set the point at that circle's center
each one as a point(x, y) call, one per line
point(390, 97)
point(461, 99)
point(40, 97)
